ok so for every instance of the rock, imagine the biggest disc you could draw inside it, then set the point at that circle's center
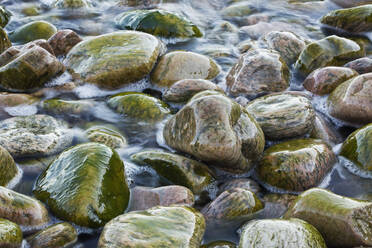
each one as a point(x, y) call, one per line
point(67, 107)
point(354, 20)
point(287, 44)
point(330, 51)
point(263, 27)
point(58, 236)
point(239, 9)
point(185, 89)
point(11, 100)
point(283, 115)
point(178, 65)
point(225, 33)
point(144, 197)
point(177, 169)
point(96, 176)
point(174, 226)
point(34, 135)
point(27, 68)
point(139, 3)
point(8, 168)
point(258, 72)
point(356, 148)
point(351, 101)
point(72, 4)
point(324, 130)
point(342, 221)
point(22, 209)
point(219, 244)
point(10, 234)
point(296, 165)
point(243, 183)
point(115, 59)
point(4, 41)
point(232, 204)
point(139, 106)
point(215, 129)
point(351, 3)
point(63, 41)
point(290, 233)
point(31, 10)
point(324, 80)
point(276, 204)
point(5, 16)
point(105, 135)
point(159, 23)
point(362, 65)
point(33, 31)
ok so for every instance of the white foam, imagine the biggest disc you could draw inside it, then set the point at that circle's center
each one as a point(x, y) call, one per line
point(160, 137)
point(61, 80)
point(21, 110)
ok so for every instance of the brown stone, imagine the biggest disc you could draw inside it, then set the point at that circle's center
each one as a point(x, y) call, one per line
point(63, 41)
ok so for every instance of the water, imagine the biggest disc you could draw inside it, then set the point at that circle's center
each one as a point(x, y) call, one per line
point(301, 18)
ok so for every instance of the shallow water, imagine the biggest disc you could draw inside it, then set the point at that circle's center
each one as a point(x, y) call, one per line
point(301, 18)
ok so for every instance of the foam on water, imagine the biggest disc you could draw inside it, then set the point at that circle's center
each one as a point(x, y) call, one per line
point(160, 137)
point(61, 80)
point(21, 110)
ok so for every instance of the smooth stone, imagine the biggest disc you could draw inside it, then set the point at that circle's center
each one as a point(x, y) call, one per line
point(239, 9)
point(11, 99)
point(72, 4)
point(33, 31)
point(219, 244)
point(224, 32)
point(63, 41)
point(243, 183)
point(258, 71)
point(330, 51)
point(144, 197)
point(34, 135)
point(178, 65)
point(31, 10)
point(67, 107)
point(10, 234)
point(276, 204)
point(59, 235)
point(292, 233)
point(342, 221)
point(166, 227)
point(177, 169)
point(324, 130)
point(106, 135)
point(296, 165)
point(5, 43)
point(283, 115)
point(115, 59)
point(362, 65)
point(185, 89)
point(351, 100)
point(139, 3)
point(351, 3)
point(5, 16)
point(215, 129)
point(324, 80)
point(95, 175)
point(8, 168)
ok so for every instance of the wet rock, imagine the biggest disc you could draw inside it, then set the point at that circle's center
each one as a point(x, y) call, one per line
point(4, 41)
point(139, 106)
point(27, 68)
point(31, 10)
point(72, 4)
point(34, 135)
point(144, 197)
point(243, 183)
point(8, 168)
point(276, 204)
point(96, 176)
point(5, 16)
point(22, 209)
point(106, 135)
point(58, 236)
point(258, 72)
point(115, 59)
point(219, 244)
point(354, 20)
point(362, 65)
point(67, 107)
point(283, 115)
point(342, 221)
point(290, 233)
point(174, 226)
point(139, 3)
point(232, 204)
point(185, 89)
point(330, 51)
point(239, 9)
point(11, 100)
point(296, 165)
point(351, 101)
point(177, 169)
point(10, 234)
point(264, 27)
point(63, 41)
point(33, 31)
point(225, 33)
point(324, 130)
point(351, 3)
point(178, 65)
point(324, 80)
point(215, 129)
point(159, 23)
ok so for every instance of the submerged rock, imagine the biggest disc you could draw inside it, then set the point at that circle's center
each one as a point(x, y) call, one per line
point(276, 204)
point(63, 41)
point(8, 168)
point(68, 107)
point(174, 226)
point(105, 135)
point(243, 183)
point(96, 176)
point(324, 130)
point(33, 31)
point(10, 234)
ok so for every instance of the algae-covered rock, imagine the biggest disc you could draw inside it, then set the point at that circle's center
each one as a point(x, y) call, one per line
point(33, 31)
point(34, 135)
point(239, 9)
point(72, 4)
point(5, 43)
point(107, 136)
point(158, 22)
point(115, 59)
point(67, 107)
point(330, 51)
point(165, 227)
point(10, 234)
point(139, 106)
point(292, 233)
point(324, 130)
point(96, 176)
point(60, 235)
point(4, 16)
point(283, 115)
point(177, 169)
point(22, 209)
point(351, 3)
point(8, 168)
point(178, 65)
point(219, 244)
point(342, 221)
point(296, 165)
point(215, 129)
point(243, 183)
